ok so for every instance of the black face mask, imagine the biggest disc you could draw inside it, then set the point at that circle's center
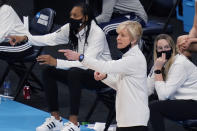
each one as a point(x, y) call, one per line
point(168, 54)
point(75, 25)
point(124, 50)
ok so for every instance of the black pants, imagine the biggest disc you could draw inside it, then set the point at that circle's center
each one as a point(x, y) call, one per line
point(15, 53)
point(75, 79)
point(135, 128)
point(176, 110)
point(15, 56)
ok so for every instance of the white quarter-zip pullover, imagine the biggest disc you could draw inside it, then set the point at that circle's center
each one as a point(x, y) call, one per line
point(128, 77)
point(181, 82)
point(97, 44)
point(10, 24)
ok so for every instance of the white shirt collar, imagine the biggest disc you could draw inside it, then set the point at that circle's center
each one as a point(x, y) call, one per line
point(131, 50)
point(82, 32)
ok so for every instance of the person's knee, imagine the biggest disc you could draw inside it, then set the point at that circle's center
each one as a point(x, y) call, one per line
point(75, 79)
point(75, 73)
point(153, 106)
point(48, 71)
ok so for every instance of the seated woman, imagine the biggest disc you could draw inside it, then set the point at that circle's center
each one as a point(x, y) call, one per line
point(126, 75)
point(174, 79)
point(10, 24)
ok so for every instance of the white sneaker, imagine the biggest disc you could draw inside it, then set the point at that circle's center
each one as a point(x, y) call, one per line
point(51, 124)
point(69, 126)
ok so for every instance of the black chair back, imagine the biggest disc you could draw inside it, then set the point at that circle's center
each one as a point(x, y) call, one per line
point(41, 24)
point(43, 21)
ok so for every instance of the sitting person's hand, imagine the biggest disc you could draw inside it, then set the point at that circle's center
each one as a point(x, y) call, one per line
point(183, 43)
point(13, 40)
point(99, 76)
point(70, 55)
point(160, 62)
point(47, 60)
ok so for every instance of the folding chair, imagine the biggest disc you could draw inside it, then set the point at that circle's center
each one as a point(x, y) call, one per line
point(40, 24)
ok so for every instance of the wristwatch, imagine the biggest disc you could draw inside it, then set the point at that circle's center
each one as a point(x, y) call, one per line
point(157, 71)
point(81, 57)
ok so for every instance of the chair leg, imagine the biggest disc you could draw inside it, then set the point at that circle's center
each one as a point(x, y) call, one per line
point(23, 79)
point(110, 118)
point(18, 69)
point(149, 6)
point(92, 109)
point(37, 81)
point(33, 77)
point(169, 16)
point(4, 75)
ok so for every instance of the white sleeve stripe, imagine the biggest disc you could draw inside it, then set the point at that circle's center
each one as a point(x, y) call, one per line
point(15, 48)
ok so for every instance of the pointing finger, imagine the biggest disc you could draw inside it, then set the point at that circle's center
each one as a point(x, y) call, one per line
point(163, 56)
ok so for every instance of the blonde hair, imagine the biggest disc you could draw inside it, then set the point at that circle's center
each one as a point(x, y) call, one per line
point(134, 28)
point(171, 60)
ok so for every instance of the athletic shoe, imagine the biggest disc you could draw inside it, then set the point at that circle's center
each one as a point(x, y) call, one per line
point(51, 124)
point(69, 126)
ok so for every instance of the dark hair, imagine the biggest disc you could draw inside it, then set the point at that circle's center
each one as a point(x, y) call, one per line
point(86, 11)
point(2, 2)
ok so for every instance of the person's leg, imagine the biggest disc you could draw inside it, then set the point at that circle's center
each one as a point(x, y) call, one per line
point(156, 118)
point(111, 26)
point(135, 128)
point(50, 76)
point(78, 79)
point(177, 110)
point(13, 53)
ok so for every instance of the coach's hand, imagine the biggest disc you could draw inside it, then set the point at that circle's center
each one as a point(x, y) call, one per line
point(47, 60)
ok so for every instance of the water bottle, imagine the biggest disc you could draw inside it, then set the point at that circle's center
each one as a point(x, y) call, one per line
point(6, 88)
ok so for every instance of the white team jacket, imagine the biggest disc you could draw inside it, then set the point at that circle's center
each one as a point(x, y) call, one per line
point(128, 77)
point(97, 44)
